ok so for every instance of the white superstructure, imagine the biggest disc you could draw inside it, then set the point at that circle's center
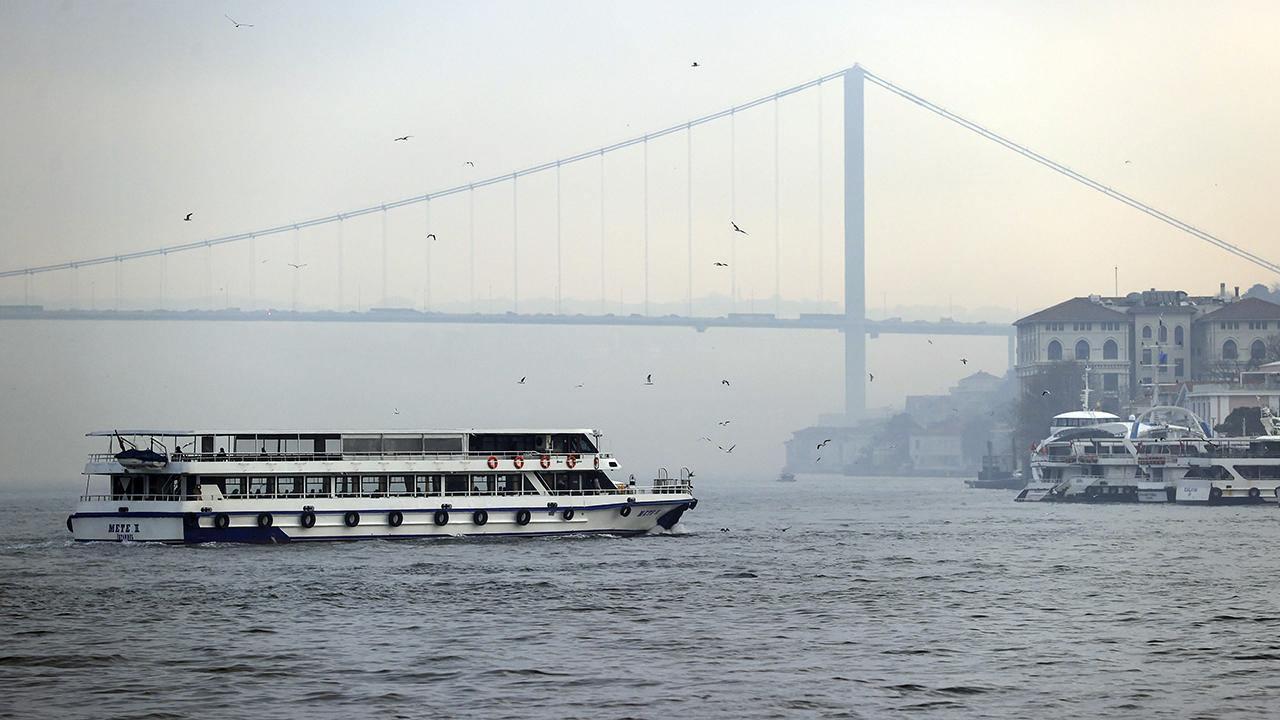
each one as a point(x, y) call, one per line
point(281, 486)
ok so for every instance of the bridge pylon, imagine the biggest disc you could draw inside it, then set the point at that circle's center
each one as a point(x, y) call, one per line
point(855, 227)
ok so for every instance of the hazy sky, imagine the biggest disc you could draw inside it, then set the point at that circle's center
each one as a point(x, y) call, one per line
point(120, 117)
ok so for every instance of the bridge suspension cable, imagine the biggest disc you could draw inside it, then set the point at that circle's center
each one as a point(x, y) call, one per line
point(1064, 170)
point(470, 187)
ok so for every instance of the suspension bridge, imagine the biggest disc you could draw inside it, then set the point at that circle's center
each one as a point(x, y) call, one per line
point(852, 322)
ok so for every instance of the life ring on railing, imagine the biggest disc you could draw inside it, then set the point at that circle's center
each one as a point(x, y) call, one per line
point(571, 461)
point(308, 519)
point(625, 510)
point(523, 517)
point(568, 514)
point(597, 462)
point(351, 519)
point(545, 461)
point(221, 521)
point(1255, 493)
point(518, 461)
point(480, 517)
point(493, 463)
point(394, 518)
point(441, 518)
point(265, 520)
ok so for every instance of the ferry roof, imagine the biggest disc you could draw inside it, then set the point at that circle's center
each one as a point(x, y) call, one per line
point(349, 431)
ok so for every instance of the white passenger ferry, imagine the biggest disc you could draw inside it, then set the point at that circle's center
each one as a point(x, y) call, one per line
point(272, 487)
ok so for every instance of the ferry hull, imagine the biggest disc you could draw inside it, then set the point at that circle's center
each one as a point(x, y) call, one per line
point(194, 523)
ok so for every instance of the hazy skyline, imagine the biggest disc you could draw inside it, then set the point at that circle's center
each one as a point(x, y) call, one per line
point(129, 115)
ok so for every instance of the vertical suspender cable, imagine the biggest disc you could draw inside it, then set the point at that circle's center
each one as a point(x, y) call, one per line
point(646, 226)
point(688, 167)
point(559, 262)
point(777, 205)
point(426, 300)
point(821, 241)
point(471, 225)
point(297, 260)
point(733, 209)
point(341, 278)
point(164, 279)
point(602, 233)
point(253, 272)
point(385, 292)
point(515, 244)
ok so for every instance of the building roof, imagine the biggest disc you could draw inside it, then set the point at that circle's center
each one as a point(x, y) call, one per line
point(1078, 309)
point(1248, 308)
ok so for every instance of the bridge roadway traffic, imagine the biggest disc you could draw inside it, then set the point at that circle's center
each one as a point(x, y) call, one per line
point(805, 321)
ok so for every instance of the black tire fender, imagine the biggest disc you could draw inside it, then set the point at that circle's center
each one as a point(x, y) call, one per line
point(395, 518)
point(568, 514)
point(351, 519)
point(624, 511)
point(221, 521)
point(441, 518)
point(265, 520)
point(307, 519)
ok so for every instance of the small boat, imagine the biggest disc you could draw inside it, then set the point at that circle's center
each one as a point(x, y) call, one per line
point(135, 459)
point(787, 477)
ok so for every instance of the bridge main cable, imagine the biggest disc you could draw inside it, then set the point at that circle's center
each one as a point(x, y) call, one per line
point(382, 207)
point(1064, 170)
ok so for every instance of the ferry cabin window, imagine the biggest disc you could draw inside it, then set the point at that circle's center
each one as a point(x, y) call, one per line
point(402, 444)
point(456, 484)
point(233, 487)
point(288, 486)
point(345, 485)
point(361, 444)
point(429, 484)
point(442, 444)
point(482, 484)
point(513, 484)
point(259, 486)
point(373, 485)
point(400, 485)
point(316, 485)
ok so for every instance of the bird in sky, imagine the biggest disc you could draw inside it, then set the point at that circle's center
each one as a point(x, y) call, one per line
point(720, 264)
point(690, 475)
point(578, 385)
point(431, 236)
point(722, 423)
point(737, 229)
point(188, 217)
point(648, 379)
point(233, 22)
point(297, 266)
point(704, 437)
point(818, 459)
point(823, 443)
point(729, 449)
point(930, 341)
point(521, 380)
point(724, 383)
point(264, 262)
point(395, 411)
point(1126, 162)
point(1045, 393)
point(470, 164)
point(871, 377)
point(695, 64)
point(402, 138)
point(964, 361)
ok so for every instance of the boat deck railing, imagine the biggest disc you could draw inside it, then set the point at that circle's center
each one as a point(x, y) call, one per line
point(629, 490)
point(531, 459)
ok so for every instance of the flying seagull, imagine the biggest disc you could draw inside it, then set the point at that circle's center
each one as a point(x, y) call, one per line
point(578, 385)
point(871, 377)
point(188, 217)
point(406, 137)
point(521, 380)
point(823, 444)
point(1045, 393)
point(695, 64)
point(729, 449)
point(296, 266)
point(818, 459)
point(736, 228)
point(720, 264)
point(722, 423)
point(931, 342)
point(648, 379)
point(704, 437)
point(964, 361)
point(395, 411)
point(431, 236)
point(233, 22)
point(470, 163)
point(724, 383)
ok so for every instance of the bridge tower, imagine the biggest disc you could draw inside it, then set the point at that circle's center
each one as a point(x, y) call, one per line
point(855, 227)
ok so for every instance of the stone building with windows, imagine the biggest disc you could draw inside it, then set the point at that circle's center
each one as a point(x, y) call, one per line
point(1149, 343)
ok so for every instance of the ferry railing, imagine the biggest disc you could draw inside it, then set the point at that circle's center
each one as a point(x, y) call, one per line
point(530, 458)
point(669, 486)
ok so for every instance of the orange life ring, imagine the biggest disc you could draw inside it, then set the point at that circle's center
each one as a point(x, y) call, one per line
point(518, 461)
point(545, 461)
point(493, 463)
point(571, 461)
point(597, 462)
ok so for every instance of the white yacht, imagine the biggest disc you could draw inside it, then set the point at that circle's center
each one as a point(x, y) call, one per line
point(272, 487)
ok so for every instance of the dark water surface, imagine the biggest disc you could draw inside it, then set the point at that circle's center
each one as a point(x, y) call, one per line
point(892, 597)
